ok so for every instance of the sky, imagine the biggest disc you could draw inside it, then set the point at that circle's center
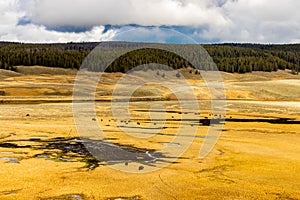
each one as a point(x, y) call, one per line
point(170, 21)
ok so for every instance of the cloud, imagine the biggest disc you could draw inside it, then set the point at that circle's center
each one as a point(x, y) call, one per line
point(273, 21)
point(124, 12)
point(11, 29)
point(264, 21)
point(33, 33)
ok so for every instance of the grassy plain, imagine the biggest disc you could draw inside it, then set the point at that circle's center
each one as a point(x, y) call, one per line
point(254, 159)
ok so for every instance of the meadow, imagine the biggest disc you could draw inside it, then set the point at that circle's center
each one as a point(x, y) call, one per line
point(42, 155)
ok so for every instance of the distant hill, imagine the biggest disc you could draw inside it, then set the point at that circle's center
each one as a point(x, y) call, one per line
point(240, 58)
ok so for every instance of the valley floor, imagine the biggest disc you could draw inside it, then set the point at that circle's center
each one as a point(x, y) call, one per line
point(255, 157)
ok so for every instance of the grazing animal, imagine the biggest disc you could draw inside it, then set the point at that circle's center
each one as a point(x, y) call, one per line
point(94, 119)
point(27, 115)
point(138, 123)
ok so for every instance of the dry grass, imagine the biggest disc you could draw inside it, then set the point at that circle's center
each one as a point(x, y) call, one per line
point(253, 160)
point(39, 70)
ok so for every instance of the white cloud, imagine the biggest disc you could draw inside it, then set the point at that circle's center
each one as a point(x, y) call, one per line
point(10, 14)
point(268, 21)
point(273, 21)
point(34, 33)
point(123, 12)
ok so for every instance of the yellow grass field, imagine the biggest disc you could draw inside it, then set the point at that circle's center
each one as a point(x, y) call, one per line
point(256, 156)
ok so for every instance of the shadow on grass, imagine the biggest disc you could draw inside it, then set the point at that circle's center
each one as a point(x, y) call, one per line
point(79, 150)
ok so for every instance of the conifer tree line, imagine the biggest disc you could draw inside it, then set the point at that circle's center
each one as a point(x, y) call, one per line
point(244, 58)
point(146, 56)
point(68, 55)
point(240, 58)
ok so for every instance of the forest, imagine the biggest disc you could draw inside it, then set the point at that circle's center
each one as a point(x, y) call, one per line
point(230, 57)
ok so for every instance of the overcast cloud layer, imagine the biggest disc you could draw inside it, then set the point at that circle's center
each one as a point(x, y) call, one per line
point(265, 21)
